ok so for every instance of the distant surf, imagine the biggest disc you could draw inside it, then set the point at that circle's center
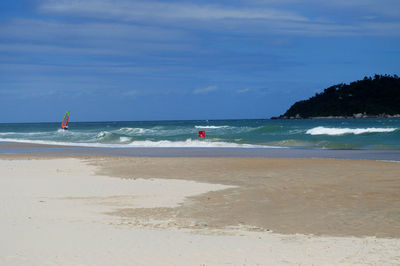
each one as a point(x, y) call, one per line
point(342, 131)
point(210, 127)
point(318, 134)
point(124, 143)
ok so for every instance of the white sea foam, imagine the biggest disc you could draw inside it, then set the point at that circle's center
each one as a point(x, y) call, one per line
point(189, 143)
point(341, 131)
point(23, 133)
point(211, 127)
point(124, 139)
point(8, 133)
point(136, 130)
point(102, 134)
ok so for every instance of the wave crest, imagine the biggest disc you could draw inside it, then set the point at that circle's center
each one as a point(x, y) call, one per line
point(126, 143)
point(136, 130)
point(211, 127)
point(332, 131)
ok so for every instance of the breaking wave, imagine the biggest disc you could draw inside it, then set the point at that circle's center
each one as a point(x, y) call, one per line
point(341, 131)
point(211, 127)
point(136, 131)
point(189, 143)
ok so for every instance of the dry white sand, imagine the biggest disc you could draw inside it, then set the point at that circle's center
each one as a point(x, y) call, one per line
point(54, 212)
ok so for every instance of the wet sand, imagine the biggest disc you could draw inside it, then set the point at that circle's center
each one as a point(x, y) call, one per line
point(307, 196)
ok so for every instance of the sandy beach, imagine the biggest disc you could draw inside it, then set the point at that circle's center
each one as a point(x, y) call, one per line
point(198, 211)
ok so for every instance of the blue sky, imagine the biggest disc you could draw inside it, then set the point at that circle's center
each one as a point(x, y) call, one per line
point(164, 60)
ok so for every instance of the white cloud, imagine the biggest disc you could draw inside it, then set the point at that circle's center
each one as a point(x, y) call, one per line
point(134, 10)
point(382, 7)
point(49, 29)
point(90, 38)
point(245, 90)
point(257, 17)
point(131, 93)
point(205, 90)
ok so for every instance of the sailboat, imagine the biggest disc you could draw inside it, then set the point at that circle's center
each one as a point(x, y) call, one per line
point(64, 123)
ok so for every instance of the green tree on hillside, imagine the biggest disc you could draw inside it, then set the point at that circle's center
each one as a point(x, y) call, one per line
point(371, 96)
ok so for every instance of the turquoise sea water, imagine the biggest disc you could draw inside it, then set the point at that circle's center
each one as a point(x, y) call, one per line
point(318, 133)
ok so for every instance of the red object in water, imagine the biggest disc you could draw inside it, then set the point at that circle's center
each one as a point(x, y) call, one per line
point(202, 134)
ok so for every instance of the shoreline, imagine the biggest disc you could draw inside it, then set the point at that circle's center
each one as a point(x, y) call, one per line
point(55, 150)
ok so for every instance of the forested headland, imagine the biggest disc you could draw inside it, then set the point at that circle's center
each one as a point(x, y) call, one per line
point(377, 96)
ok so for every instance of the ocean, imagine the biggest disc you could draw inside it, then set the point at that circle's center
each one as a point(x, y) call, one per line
point(335, 134)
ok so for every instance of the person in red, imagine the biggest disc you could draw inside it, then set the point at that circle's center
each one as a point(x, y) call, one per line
point(202, 134)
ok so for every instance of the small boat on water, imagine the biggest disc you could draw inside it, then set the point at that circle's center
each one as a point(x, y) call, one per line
point(64, 123)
